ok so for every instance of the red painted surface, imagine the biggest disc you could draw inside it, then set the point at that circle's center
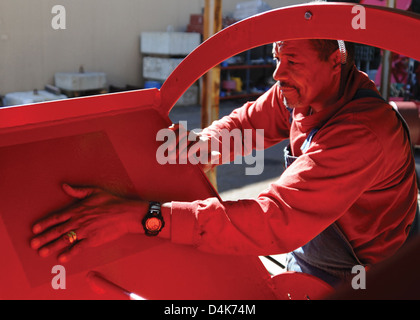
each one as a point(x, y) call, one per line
point(110, 141)
point(114, 149)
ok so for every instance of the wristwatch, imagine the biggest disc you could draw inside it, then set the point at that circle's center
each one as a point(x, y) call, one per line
point(153, 220)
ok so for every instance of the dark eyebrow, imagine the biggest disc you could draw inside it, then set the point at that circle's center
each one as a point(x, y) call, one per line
point(290, 55)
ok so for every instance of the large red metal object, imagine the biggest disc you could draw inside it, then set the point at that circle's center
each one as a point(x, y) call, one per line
point(110, 141)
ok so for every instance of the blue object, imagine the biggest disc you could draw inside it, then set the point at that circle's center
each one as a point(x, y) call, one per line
point(152, 84)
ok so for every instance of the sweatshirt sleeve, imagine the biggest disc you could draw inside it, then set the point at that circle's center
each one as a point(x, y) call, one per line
point(266, 120)
point(316, 190)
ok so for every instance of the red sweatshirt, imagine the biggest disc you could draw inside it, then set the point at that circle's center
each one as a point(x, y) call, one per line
point(358, 172)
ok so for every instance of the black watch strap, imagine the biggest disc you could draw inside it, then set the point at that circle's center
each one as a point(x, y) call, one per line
point(153, 220)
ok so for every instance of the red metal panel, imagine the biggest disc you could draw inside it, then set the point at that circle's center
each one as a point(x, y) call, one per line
point(64, 110)
point(97, 141)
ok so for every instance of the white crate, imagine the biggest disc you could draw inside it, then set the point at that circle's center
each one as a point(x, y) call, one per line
point(29, 97)
point(190, 97)
point(169, 43)
point(159, 68)
point(249, 8)
point(80, 81)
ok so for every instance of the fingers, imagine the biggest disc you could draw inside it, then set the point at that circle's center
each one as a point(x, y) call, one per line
point(60, 217)
point(51, 235)
point(79, 192)
point(178, 150)
point(67, 252)
point(59, 244)
point(192, 147)
point(72, 251)
point(181, 136)
point(215, 157)
point(198, 149)
point(51, 232)
point(67, 244)
point(179, 146)
point(50, 221)
point(96, 219)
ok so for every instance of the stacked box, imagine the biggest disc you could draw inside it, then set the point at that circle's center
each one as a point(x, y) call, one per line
point(163, 52)
point(81, 81)
point(249, 8)
point(159, 68)
point(196, 24)
point(169, 43)
point(29, 97)
point(190, 97)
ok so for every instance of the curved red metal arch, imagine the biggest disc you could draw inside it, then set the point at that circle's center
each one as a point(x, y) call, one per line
point(389, 29)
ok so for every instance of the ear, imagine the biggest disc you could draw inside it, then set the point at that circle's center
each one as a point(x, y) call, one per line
point(335, 61)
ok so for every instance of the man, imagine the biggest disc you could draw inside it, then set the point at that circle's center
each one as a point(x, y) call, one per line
point(348, 196)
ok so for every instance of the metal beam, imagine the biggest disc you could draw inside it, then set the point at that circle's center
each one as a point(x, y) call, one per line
point(210, 91)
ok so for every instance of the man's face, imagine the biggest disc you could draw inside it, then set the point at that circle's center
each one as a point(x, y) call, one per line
point(303, 78)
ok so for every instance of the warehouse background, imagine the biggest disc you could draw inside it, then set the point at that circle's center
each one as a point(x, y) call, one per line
point(100, 35)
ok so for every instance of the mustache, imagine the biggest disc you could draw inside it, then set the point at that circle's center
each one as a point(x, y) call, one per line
point(286, 85)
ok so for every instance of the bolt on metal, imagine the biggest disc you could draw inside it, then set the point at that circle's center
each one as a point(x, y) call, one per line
point(308, 15)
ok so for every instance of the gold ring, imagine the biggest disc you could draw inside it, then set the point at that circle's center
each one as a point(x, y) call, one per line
point(70, 237)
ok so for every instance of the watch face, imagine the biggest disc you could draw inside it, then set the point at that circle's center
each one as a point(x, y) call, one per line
point(153, 224)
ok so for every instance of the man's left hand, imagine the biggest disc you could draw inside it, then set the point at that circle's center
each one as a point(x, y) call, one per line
point(99, 217)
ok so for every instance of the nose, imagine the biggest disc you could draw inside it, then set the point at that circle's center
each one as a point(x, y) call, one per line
point(280, 73)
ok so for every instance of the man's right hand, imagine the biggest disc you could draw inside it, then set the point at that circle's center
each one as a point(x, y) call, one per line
point(193, 147)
